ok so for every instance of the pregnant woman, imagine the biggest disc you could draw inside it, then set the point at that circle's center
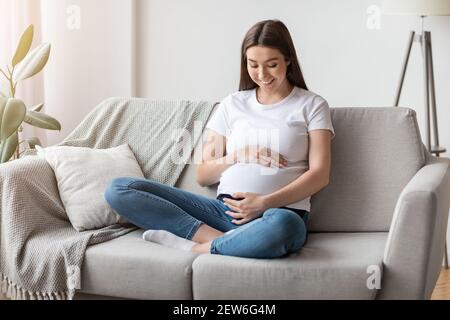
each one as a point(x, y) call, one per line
point(269, 147)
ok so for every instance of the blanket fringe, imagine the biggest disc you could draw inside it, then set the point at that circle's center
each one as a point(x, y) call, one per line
point(15, 292)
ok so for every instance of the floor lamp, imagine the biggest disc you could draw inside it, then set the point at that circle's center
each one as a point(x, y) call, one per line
point(422, 8)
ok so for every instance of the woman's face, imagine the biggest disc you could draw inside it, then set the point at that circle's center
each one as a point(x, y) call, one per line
point(267, 68)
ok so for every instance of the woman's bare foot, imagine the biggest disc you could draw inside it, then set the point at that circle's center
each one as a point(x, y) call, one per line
point(206, 233)
point(202, 247)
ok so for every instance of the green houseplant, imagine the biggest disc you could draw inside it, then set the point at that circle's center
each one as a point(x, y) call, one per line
point(13, 112)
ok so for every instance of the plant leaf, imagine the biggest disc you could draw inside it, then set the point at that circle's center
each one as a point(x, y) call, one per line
point(9, 147)
point(32, 142)
point(24, 45)
point(37, 108)
point(34, 62)
point(13, 116)
point(41, 120)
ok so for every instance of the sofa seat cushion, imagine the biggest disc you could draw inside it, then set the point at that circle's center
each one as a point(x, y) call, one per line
point(129, 267)
point(330, 266)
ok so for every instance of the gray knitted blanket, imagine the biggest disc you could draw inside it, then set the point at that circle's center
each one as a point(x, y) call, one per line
point(41, 254)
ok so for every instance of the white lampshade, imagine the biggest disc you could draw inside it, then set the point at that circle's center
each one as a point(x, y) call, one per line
point(417, 7)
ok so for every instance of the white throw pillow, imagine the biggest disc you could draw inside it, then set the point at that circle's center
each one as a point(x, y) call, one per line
point(83, 175)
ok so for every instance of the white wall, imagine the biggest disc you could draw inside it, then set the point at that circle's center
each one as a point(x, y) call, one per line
point(88, 64)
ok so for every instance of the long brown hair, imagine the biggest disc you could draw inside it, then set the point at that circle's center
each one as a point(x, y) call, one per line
point(273, 34)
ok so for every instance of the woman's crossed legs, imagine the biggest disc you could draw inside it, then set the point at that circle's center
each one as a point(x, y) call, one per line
point(152, 205)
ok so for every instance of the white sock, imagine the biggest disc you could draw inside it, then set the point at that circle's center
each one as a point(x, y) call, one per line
point(168, 239)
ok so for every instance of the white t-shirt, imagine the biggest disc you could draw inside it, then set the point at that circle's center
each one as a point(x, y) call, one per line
point(282, 127)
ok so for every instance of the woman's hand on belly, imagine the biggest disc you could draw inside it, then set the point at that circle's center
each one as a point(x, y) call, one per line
point(260, 155)
point(250, 206)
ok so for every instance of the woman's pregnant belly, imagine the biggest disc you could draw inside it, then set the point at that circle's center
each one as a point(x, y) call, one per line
point(252, 177)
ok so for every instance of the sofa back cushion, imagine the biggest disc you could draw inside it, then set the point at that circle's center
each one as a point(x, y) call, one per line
point(375, 153)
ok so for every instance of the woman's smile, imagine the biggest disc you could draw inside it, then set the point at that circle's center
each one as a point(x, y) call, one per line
point(268, 83)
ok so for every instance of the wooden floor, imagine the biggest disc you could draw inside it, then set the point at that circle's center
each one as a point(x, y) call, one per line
point(442, 289)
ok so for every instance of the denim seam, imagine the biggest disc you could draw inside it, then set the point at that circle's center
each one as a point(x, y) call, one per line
point(213, 249)
point(138, 192)
point(194, 229)
point(231, 236)
point(185, 201)
point(222, 242)
point(266, 219)
point(130, 183)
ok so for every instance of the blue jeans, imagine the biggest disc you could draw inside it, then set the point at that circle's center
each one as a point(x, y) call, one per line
point(149, 204)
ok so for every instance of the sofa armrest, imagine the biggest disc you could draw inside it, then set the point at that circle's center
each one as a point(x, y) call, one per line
point(29, 167)
point(415, 246)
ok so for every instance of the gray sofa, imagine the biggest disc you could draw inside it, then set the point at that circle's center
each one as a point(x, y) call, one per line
point(377, 231)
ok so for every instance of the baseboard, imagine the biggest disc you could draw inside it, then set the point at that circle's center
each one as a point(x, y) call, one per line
point(3, 297)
